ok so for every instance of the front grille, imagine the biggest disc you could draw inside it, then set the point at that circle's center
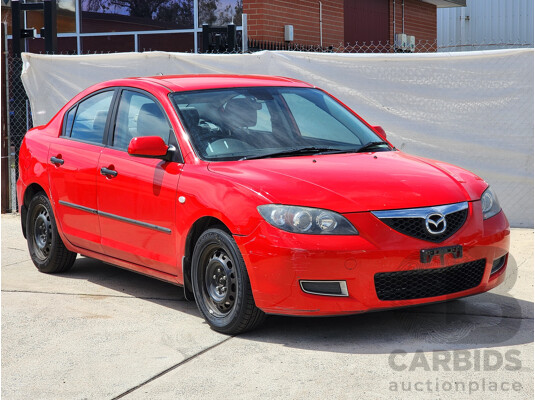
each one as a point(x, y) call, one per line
point(422, 283)
point(415, 227)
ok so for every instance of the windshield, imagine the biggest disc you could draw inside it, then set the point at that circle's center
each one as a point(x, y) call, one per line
point(261, 122)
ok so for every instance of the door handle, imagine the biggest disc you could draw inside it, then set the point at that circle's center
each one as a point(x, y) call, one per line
point(56, 160)
point(108, 172)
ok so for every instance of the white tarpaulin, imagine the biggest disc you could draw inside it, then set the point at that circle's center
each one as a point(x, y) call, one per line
point(471, 109)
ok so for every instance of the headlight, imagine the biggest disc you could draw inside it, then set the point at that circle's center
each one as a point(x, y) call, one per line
point(489, 204)
point(313, 221)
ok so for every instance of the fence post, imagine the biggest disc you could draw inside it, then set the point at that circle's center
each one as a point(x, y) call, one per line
point(205, 38)
point(244, 40)
point(5, 206)
point(231, 37)
point(51, 28)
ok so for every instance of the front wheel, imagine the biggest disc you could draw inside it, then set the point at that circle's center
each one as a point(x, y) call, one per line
point(221, 284)
point(48, 252)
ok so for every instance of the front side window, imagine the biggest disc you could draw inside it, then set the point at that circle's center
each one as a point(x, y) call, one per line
point(90, 119)
point(261, 122)
point(138, 115)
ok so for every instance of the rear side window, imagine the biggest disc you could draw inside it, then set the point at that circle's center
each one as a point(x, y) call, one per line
point(69, 119)
point(90, 119)
point(138, 115)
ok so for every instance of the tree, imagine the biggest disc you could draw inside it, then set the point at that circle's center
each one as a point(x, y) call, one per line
point(225, 16)
point(95, 5)
point(140, 8)
point(238, 11)
point(177, 12)
point(207, 9)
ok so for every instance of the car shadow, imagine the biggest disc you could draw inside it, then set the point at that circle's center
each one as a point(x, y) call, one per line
point(129, 283)
point(477, 322)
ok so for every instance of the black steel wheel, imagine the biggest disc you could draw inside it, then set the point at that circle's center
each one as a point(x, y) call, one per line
point(221, 285)
point(47, 251)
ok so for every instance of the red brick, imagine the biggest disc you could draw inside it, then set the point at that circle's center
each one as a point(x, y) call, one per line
point(266, 20)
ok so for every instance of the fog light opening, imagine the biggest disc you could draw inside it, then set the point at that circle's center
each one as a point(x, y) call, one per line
point(325, 288)
point(498, 264)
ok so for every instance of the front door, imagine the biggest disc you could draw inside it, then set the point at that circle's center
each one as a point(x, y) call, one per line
point(136, 195)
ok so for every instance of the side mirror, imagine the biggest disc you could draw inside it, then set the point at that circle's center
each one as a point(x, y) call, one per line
point(148, 146)
point(380, 131)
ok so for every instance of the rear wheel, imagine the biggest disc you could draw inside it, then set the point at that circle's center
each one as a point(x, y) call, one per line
point(221, 284)
point(47, 250)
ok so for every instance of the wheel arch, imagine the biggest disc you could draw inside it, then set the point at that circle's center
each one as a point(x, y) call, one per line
point(28, 195)
point(196, 230)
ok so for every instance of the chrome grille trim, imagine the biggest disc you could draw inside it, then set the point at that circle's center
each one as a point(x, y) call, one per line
point(422, 212)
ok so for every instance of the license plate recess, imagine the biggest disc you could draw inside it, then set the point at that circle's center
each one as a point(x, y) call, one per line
point(427, 255)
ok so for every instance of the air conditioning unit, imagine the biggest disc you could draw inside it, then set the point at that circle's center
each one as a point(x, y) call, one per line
point(289, 33)
point(411, 43)
point(400, 42)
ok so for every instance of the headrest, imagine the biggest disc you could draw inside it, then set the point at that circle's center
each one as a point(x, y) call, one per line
point(100, 121)
point(241, 113)
point(191, 116)
point(151, 122)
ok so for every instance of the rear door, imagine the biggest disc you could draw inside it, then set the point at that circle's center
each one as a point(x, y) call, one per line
point(73, 159)
point(136, 201)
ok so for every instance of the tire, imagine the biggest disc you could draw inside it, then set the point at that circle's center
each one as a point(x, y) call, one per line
point(221, 285)
point(47, 250)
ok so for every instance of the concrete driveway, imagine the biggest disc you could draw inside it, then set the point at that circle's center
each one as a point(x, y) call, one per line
point(99, 332)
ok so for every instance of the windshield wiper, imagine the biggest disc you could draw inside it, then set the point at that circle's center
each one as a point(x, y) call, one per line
point(298, 151)
point(370, 145)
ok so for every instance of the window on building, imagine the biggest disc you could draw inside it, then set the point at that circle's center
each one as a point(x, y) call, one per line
point(135, 15)
point(66, 16)
point(220, 12)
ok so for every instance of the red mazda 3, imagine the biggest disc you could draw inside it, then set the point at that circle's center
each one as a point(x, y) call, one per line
point(258, 195)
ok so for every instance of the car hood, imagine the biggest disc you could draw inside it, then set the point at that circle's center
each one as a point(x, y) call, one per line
point(355, 182)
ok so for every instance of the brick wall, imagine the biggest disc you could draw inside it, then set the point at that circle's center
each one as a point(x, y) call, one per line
point(420, 20)
point(266, 20)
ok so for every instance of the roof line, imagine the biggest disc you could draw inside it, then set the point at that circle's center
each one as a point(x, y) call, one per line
point(156, 81)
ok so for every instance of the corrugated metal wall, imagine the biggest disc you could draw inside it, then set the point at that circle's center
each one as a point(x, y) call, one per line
point(485, 24)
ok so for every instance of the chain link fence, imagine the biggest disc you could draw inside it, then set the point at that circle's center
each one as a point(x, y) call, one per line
point(20, 120)
point(420, 46)
point(20, 116)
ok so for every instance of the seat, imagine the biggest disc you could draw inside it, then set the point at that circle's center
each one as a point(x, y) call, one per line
point(191, 117)
point(200, 135)
point(97, 131)
point(152, 122)
point(99, 123)
point(240, 114)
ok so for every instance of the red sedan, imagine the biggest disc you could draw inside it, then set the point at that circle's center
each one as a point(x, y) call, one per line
point(258, 195)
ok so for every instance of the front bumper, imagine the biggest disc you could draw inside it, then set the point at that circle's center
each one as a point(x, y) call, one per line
point(277, 261)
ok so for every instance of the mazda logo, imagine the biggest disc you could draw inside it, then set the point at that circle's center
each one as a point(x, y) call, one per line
point(435, 223)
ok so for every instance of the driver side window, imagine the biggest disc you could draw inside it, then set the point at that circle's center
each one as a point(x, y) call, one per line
point(138, 115)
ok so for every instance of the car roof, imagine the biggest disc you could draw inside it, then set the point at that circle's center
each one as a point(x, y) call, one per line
point(199, 82)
